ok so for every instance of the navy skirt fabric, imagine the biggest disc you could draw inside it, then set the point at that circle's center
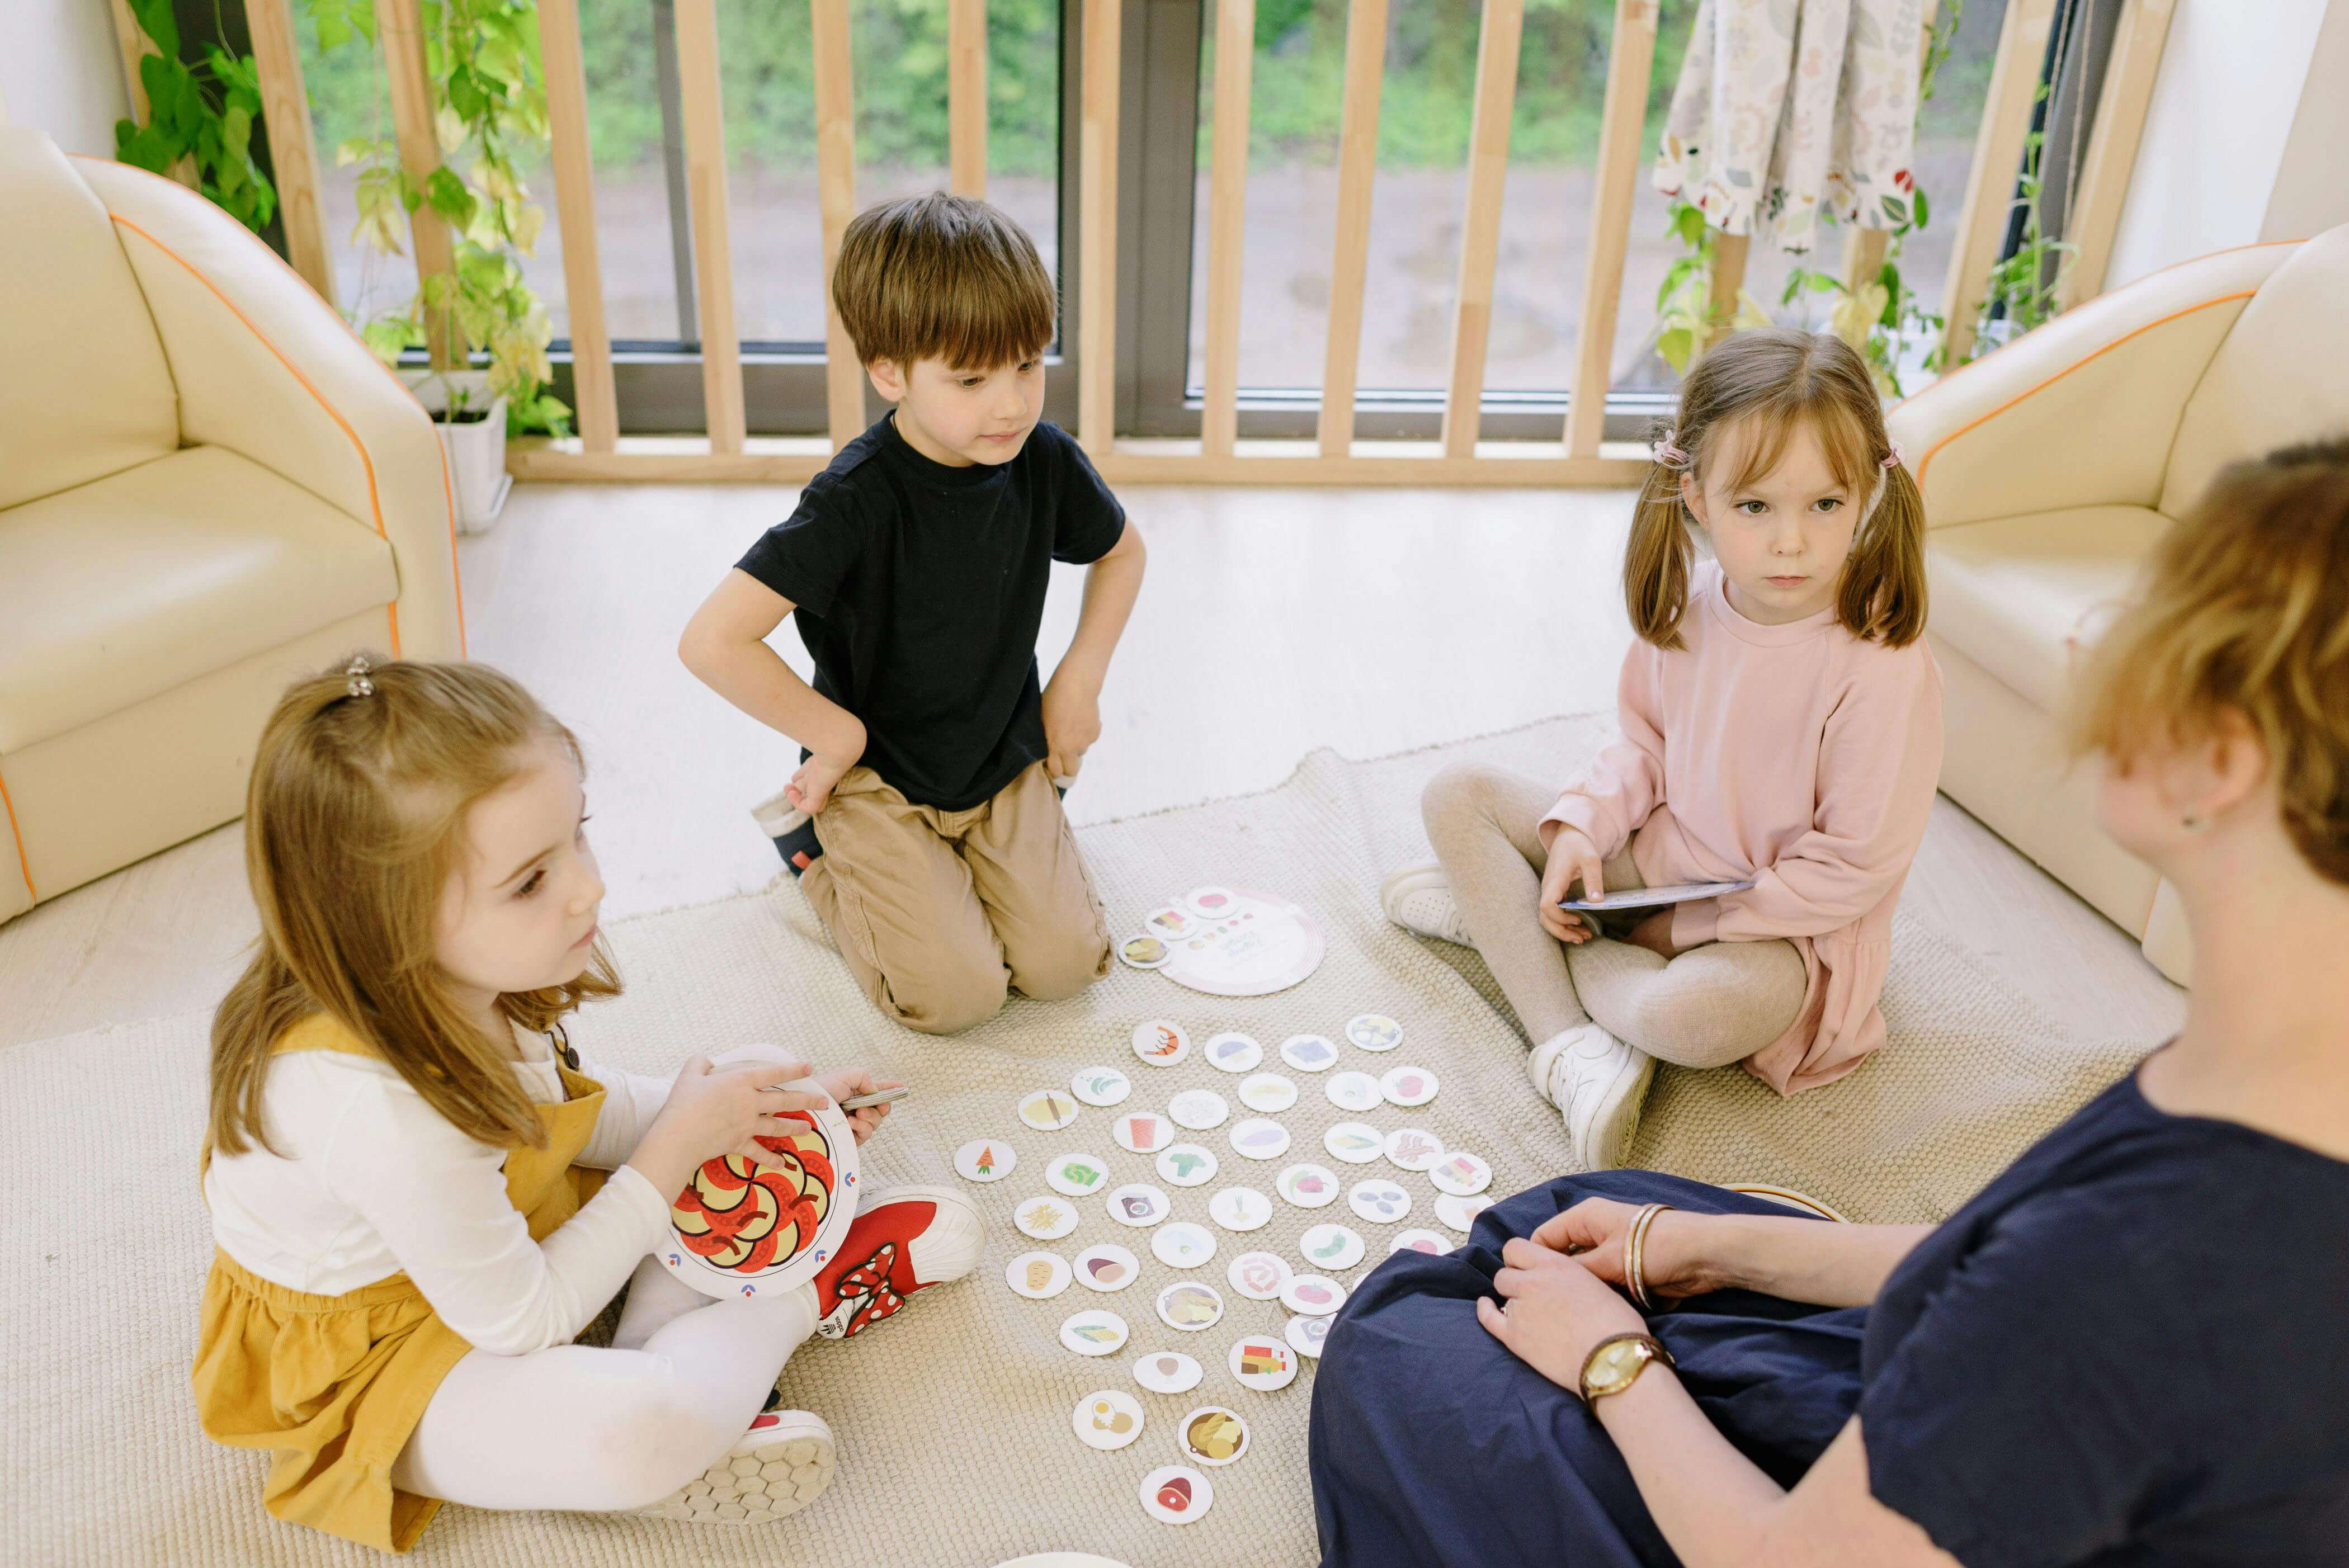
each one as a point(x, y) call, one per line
point(1433, 1447)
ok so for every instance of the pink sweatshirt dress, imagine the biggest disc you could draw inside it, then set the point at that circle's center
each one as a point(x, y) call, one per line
point(1799, 755)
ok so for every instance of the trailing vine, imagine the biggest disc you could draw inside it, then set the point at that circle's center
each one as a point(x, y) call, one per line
point(202, 112)
point(2021, 291)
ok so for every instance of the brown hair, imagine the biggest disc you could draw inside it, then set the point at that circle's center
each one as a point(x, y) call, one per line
point(354, 821)
point(2244, 607)
point(942, 277)
point(1768, 381)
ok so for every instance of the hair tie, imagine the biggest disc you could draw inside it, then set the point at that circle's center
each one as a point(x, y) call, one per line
point(1892, 457)
point(1671, 455)
point(356, 683)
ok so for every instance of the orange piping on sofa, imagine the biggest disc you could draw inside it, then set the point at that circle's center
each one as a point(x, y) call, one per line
point(24, 862)
point(1934, 450)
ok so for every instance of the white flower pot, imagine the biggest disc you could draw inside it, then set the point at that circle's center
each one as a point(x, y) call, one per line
point(476, 448)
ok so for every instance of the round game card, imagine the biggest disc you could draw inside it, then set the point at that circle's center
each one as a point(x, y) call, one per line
point(1412, 1149)
point(1198, 1109)
point(1189, 1305)
point(1039, 1277)
point(1142, 1132)
point(1178, 1494)
point(1160, 1043)
point(1378, 1200)
point(1309, 1053)
point(1187, 1165)
point(1268, 1093)
point(1145, 951)
point(1259, 1138)
point(1212, 1435)
point(1183, 1245)
point(1307, 1186)
point(1333, 1247)
point(1101, 1086)
point(1408, 1086)
point(1108, 1419)
point(1313, 1295)
point(1240, 1209)
point(1233, 1053)
point(1093, 1332)
point(1353, 1091)
point(1046, 1219)
point(1374, 1032)
point(984, 1160)
point(1355, 1142)
point(740, 1229)
point(1167, 1372)
point(1305, 1336)
point(1138, 1204)
point(1262, 944)
point(1419, 1239)
point(1076, 1175)
point(1263, 1363)
point(1460, 1212)
point(1107, 1267)
point(1259, 1275)
point(1461, 1174)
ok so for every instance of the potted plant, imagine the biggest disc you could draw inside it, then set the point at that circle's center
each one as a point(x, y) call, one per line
point(471, 420)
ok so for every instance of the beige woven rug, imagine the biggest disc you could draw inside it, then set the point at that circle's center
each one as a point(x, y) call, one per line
point(954, 1419)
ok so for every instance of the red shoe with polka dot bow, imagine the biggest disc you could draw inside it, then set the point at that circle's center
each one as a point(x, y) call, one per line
point(903, 1241)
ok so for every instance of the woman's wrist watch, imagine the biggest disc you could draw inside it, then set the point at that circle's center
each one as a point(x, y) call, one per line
point(1616, 1362)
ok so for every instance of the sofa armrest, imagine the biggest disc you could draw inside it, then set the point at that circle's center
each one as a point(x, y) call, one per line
point(2083, 411)
point(266, 369)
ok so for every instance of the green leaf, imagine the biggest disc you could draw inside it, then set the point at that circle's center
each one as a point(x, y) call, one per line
point(448, 196)
point(155, 20)
point(1919, 198)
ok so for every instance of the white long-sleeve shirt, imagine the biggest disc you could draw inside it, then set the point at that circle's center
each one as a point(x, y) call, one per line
point(371, 1182)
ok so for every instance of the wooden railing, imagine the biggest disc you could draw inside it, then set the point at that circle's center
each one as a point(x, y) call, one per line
point(1580, 454)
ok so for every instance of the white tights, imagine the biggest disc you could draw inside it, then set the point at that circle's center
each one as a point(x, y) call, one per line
point(573, 1426)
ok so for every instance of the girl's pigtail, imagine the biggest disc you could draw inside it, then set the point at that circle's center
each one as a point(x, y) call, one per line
point(1882, 597)
point(1657, 558)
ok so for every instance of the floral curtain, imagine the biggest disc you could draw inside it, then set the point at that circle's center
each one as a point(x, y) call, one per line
point(1783, 106)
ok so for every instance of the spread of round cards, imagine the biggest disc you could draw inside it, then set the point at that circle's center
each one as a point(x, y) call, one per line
point(740, 1229)
point(1257, 942)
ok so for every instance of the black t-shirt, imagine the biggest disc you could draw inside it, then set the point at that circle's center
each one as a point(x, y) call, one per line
point(919, 589)
point(2129, 1349)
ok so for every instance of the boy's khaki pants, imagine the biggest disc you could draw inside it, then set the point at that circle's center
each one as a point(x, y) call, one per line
point(939, 914)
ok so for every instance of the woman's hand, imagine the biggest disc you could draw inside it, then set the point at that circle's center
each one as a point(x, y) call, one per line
point(1553, 1311)
point(712, 1112)
point(846, 1084)
point(1572, 858)
point(1670, 1260)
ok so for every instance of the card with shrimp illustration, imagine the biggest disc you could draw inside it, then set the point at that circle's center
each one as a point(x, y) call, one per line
point(743, 1229)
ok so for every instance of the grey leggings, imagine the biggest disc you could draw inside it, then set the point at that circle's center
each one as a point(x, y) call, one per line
point(1712, 1006)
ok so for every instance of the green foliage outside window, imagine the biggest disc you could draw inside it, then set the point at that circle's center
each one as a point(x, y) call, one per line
point(203, 113)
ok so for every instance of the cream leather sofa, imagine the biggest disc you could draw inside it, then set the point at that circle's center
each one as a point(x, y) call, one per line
point(2049, 470)
point(207, 488)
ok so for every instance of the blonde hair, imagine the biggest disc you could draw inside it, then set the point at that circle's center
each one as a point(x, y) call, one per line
point(942, 277)
point(2244, 608)
point(1769, 382)
point(354, 823)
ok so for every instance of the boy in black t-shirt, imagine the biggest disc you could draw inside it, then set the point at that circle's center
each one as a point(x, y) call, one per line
point(916, 564)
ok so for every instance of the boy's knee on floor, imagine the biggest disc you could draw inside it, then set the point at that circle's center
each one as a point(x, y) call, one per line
point(952, 991)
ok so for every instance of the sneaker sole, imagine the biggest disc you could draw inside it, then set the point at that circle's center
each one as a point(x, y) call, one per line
point(1632, 1085)
point(758, 1485)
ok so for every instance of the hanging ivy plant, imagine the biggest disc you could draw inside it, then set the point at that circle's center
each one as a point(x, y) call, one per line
point(482, 57)
point(202, 112)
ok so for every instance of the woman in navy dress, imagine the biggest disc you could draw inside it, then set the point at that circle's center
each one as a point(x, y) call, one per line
point(2131, 1348)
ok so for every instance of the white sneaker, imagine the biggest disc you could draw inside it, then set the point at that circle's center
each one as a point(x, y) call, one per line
point(1419, 899)
point(778, 1466)
point(1598, 1085)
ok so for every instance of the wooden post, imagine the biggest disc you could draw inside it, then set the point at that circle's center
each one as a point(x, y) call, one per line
point(1097, 230)
point(293, 146)
point(1729, 255)
point(713, 245)
point(2094, 215)
point(597, 404)
point(1226, 221)
point(1990, 187)
point(836, 180)
point(967, 97)
point(1480, 243)
point(136, 45)
point(401, 29)
point(1629, 60)
point(1358, 159)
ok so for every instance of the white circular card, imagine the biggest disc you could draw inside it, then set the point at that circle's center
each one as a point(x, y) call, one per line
point(1137, 1203)
point(1167, 1372)
point(1263, 1363)
point(1460, 1212)
point(1049, 1109)
point(1076, 1175)
point(1314, 1295)
point(1307, 1335)
point(1461, 1174)
point(1211, 902)
point(1183, 1245)
point(986, 1159)
point(1142, 1132)
point(1239, 1209)
point(1107, 1267)
point(1355, 1142)
point(1333, 1247)
point(1212, 1435)
point(1093, 1332)
point(1268, 1093)
point(1190, 1307)
point(1187, 1165)
point(1260, 1138)
point(1374, 1031)
point(1408, 1086)
point(1178, 1494)
point(1101, 1086)
point(1108, 1419)
point(1039, 1277)
point(1259, 1275)
point(1351, 1090)
point(1412, 1149)
point(1046, 1219)
point(1233, 1053)
point(1198, 1110)
point(1143, 951)
point(1307, 1186)
point(1419, 1239)
point(1174, 925)
point(1309, 1053)
point(1378, 1200)
point(1160, 1043)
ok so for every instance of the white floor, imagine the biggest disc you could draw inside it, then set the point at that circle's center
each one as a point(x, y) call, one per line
point(1273, 622)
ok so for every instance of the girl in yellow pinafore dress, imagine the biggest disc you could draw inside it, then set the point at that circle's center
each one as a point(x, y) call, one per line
point(420, 1194)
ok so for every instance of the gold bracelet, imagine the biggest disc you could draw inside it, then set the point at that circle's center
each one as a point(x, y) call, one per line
point(1635, 1247)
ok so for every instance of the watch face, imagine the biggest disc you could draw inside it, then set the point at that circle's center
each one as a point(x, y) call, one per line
point(1613, 1367)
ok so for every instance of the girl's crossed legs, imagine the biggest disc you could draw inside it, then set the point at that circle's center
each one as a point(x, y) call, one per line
point(573, 1426)
point(1712, 1006)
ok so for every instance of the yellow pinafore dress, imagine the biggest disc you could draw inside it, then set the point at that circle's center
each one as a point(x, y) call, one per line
point(333, 1384)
